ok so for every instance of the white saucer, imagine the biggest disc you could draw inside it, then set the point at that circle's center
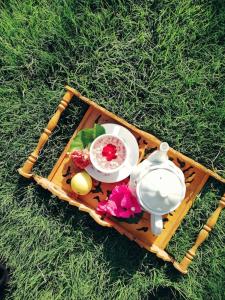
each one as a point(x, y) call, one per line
point(132, 157)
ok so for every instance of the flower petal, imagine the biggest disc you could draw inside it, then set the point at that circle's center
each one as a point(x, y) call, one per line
point(126, 201)
point(112, 208)
point(121, 203)
point(102, 206)
point(124, 214)
point(109, 151)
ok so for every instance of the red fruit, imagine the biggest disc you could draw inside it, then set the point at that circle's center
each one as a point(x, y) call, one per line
point(80, 158)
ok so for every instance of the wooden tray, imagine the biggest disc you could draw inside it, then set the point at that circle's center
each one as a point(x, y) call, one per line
point(58, 183)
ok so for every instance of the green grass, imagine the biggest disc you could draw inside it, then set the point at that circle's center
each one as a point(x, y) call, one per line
point(158, 64)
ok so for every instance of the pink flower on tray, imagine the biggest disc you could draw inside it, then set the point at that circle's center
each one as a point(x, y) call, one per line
point(109, 151)
point(121, 203)
point(80, 158)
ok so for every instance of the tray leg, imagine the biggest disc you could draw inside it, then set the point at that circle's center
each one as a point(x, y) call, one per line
point(203, 234)
point(26, 170)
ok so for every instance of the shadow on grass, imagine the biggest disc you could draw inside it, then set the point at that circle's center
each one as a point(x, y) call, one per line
point(164, 293)
point(4, 278)
point(124, 257)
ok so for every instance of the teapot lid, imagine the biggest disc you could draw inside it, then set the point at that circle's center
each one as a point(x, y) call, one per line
point(161, 190)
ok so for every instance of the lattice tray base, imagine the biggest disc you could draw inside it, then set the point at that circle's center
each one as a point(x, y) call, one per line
point(58, 182)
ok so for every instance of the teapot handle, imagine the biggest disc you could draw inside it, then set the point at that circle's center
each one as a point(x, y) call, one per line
point(156, 224)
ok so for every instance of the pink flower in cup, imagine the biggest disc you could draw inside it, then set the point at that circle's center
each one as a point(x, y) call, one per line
point(109, 151)
point(121, 203)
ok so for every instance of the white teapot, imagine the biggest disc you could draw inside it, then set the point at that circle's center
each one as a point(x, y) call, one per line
point(159, 186)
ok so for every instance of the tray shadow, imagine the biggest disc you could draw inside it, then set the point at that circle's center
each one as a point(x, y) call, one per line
point(124, 256)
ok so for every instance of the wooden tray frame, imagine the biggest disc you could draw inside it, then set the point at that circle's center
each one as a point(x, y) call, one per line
point(195, 182)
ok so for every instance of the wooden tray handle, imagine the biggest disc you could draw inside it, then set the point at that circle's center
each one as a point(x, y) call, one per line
point(26, 170)
point(203, 234)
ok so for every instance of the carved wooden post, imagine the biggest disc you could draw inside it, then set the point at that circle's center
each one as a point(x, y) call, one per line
point(204, 233)
point(26, 170)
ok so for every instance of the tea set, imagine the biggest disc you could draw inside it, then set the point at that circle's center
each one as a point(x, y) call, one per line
point(157, 183)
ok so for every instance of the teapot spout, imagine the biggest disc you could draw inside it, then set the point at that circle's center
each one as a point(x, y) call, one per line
point(161, 154)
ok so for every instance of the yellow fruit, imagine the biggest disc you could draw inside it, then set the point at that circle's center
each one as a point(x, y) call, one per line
point(81, 183)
